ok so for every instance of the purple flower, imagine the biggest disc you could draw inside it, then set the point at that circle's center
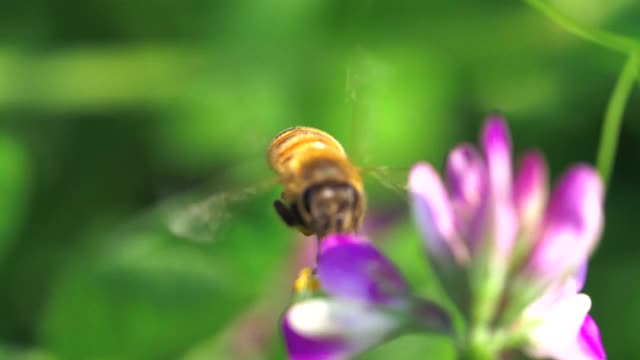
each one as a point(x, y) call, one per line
point(560, 326)
point(362, 301)
point(512, 247)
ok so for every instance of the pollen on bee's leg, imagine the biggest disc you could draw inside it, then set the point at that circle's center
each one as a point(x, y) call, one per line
point(307, 282)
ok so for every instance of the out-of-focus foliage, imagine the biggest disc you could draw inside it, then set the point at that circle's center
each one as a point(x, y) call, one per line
point(14, 185)
point(108, 109)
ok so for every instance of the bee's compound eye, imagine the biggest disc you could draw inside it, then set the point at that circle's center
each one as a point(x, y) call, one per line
point(306, 198)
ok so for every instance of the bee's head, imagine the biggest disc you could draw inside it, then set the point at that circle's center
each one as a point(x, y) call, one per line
point(333, 208)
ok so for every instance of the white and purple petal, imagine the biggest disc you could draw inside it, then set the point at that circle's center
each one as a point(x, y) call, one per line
point(434, 216)
point(466, 177)
point(572, 225)
point(562, 327)
point(496, 143)
point(570, 336)
point(589, 340)
point(496, 226)
point(531, 190)
point(557, 328)
point(580, 276)
point(333, 329)
point(351, 267)
point(304, 347)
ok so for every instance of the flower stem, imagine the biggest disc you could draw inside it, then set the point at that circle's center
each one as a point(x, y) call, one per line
point(479, 346)
point(595, 35)
point(613, 117)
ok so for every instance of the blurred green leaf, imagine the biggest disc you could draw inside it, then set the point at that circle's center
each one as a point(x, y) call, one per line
point(223, 117)
point(150, 293)
point(16, 353)
point(94, 77)
point(14, 186)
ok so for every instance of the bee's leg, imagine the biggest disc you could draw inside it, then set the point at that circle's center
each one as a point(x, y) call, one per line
point(285, 213)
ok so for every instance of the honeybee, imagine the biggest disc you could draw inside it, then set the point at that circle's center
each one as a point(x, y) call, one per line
point(323, 191)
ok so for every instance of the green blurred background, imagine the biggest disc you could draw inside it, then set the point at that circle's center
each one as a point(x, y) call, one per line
point(111, 109)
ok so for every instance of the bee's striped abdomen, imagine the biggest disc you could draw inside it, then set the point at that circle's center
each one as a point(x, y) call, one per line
point(298, 141)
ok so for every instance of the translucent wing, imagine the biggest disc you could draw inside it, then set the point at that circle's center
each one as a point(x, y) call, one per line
point(392, 178)
point(199, 218)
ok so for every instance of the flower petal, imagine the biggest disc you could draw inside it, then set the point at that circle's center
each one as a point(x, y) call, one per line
point(496, 144)
point(572, 225)
point(497, 224)
point(580, 277)
point(323, 329)
point(563, 330)
point(467, 181)
point(589, 339)
point(335, 240)
point(552, 295)
point(556, 335)
point(530, 190)
point(304, 348)
point(433, 214)
point(351, 267)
